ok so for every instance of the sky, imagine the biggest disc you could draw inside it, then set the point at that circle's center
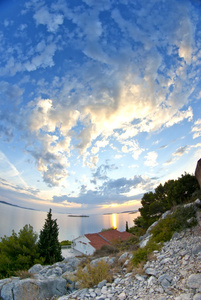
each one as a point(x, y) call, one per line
point(100, 101)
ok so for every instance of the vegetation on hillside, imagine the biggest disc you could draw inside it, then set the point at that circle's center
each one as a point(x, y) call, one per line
point(183, 217)
point(166, 196)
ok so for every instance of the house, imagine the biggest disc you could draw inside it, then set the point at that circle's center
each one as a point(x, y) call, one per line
point(89, 243)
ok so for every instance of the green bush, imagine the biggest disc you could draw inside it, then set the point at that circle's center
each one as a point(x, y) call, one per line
point(140, 255)
point(93, 274)
point(18, 252)
point(65, 243)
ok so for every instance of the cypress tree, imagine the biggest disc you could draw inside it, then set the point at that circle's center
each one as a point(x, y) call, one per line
point(49, 246)
point(127, 226)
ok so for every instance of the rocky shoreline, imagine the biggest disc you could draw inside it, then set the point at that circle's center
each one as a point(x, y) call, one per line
point(172, 273)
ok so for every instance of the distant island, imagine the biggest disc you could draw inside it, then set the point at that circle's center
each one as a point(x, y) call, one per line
point(78, 216)
point(123, 212)
point(15, 205)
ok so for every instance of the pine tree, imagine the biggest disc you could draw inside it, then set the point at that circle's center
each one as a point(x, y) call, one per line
point(48, 243)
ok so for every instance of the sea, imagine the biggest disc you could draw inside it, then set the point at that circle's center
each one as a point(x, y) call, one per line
point(70, 227)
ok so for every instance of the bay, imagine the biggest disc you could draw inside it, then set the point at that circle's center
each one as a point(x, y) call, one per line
point(14, 218)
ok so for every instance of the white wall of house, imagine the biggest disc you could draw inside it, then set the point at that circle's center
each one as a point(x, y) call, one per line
point(81, 244)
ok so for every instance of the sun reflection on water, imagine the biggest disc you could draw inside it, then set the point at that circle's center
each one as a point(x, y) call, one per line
point(114, 221)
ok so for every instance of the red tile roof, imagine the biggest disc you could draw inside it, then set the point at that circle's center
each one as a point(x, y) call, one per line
point(112, 235)
point(97, 240)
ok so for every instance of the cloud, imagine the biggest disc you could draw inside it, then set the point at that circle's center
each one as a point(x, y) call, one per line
point(51, 20)
point(44, 59)
point(11, 174)
point(110, 192)
point(151, 158)
point(101, 172)
point(180, 116)
point(19, 195)
point(181, 151)
point(114, 91)
point(12, 93)
point(196, 129)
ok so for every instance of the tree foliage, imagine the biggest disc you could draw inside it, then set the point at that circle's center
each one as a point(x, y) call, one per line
point(49, 246)
point(19, 251)
point(173, 192)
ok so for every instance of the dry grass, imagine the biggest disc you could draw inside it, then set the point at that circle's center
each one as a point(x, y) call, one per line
point(139, 269)
point(23, 274)
point(91, 275)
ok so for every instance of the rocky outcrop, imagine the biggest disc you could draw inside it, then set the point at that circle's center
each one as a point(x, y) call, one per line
point(45, 282)
point(198, 172)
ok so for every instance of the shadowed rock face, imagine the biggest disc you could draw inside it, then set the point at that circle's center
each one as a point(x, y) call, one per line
point(198, 172)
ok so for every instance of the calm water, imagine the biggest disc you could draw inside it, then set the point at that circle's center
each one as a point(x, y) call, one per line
point(69, 227)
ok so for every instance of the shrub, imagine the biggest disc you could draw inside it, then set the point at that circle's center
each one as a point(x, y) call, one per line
point(128, 245)
point(139, 256)
point(177, 221)
point(93, 274)
point(106, 250)
point(65, 243)
point(143, 254)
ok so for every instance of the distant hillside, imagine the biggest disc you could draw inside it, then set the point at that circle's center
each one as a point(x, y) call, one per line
point(4, 202)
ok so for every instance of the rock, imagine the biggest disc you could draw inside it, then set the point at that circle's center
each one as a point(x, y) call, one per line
point(144, 242)
point(194, 281)
point(123, 257)
point(35, 269)
point(184, 297)
point(165, 280)
point(122, 296)
point(102, 283)
point(54, 272)
point(111, 261)
point(196, 248)
point(97, 260)
point(165, 214)
point(138, 277)
point(104, 290)
point(197, 297)
point(6, 291)
point(197, 203)
point(198, 172)
point(33, 289)
point(150, 271)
